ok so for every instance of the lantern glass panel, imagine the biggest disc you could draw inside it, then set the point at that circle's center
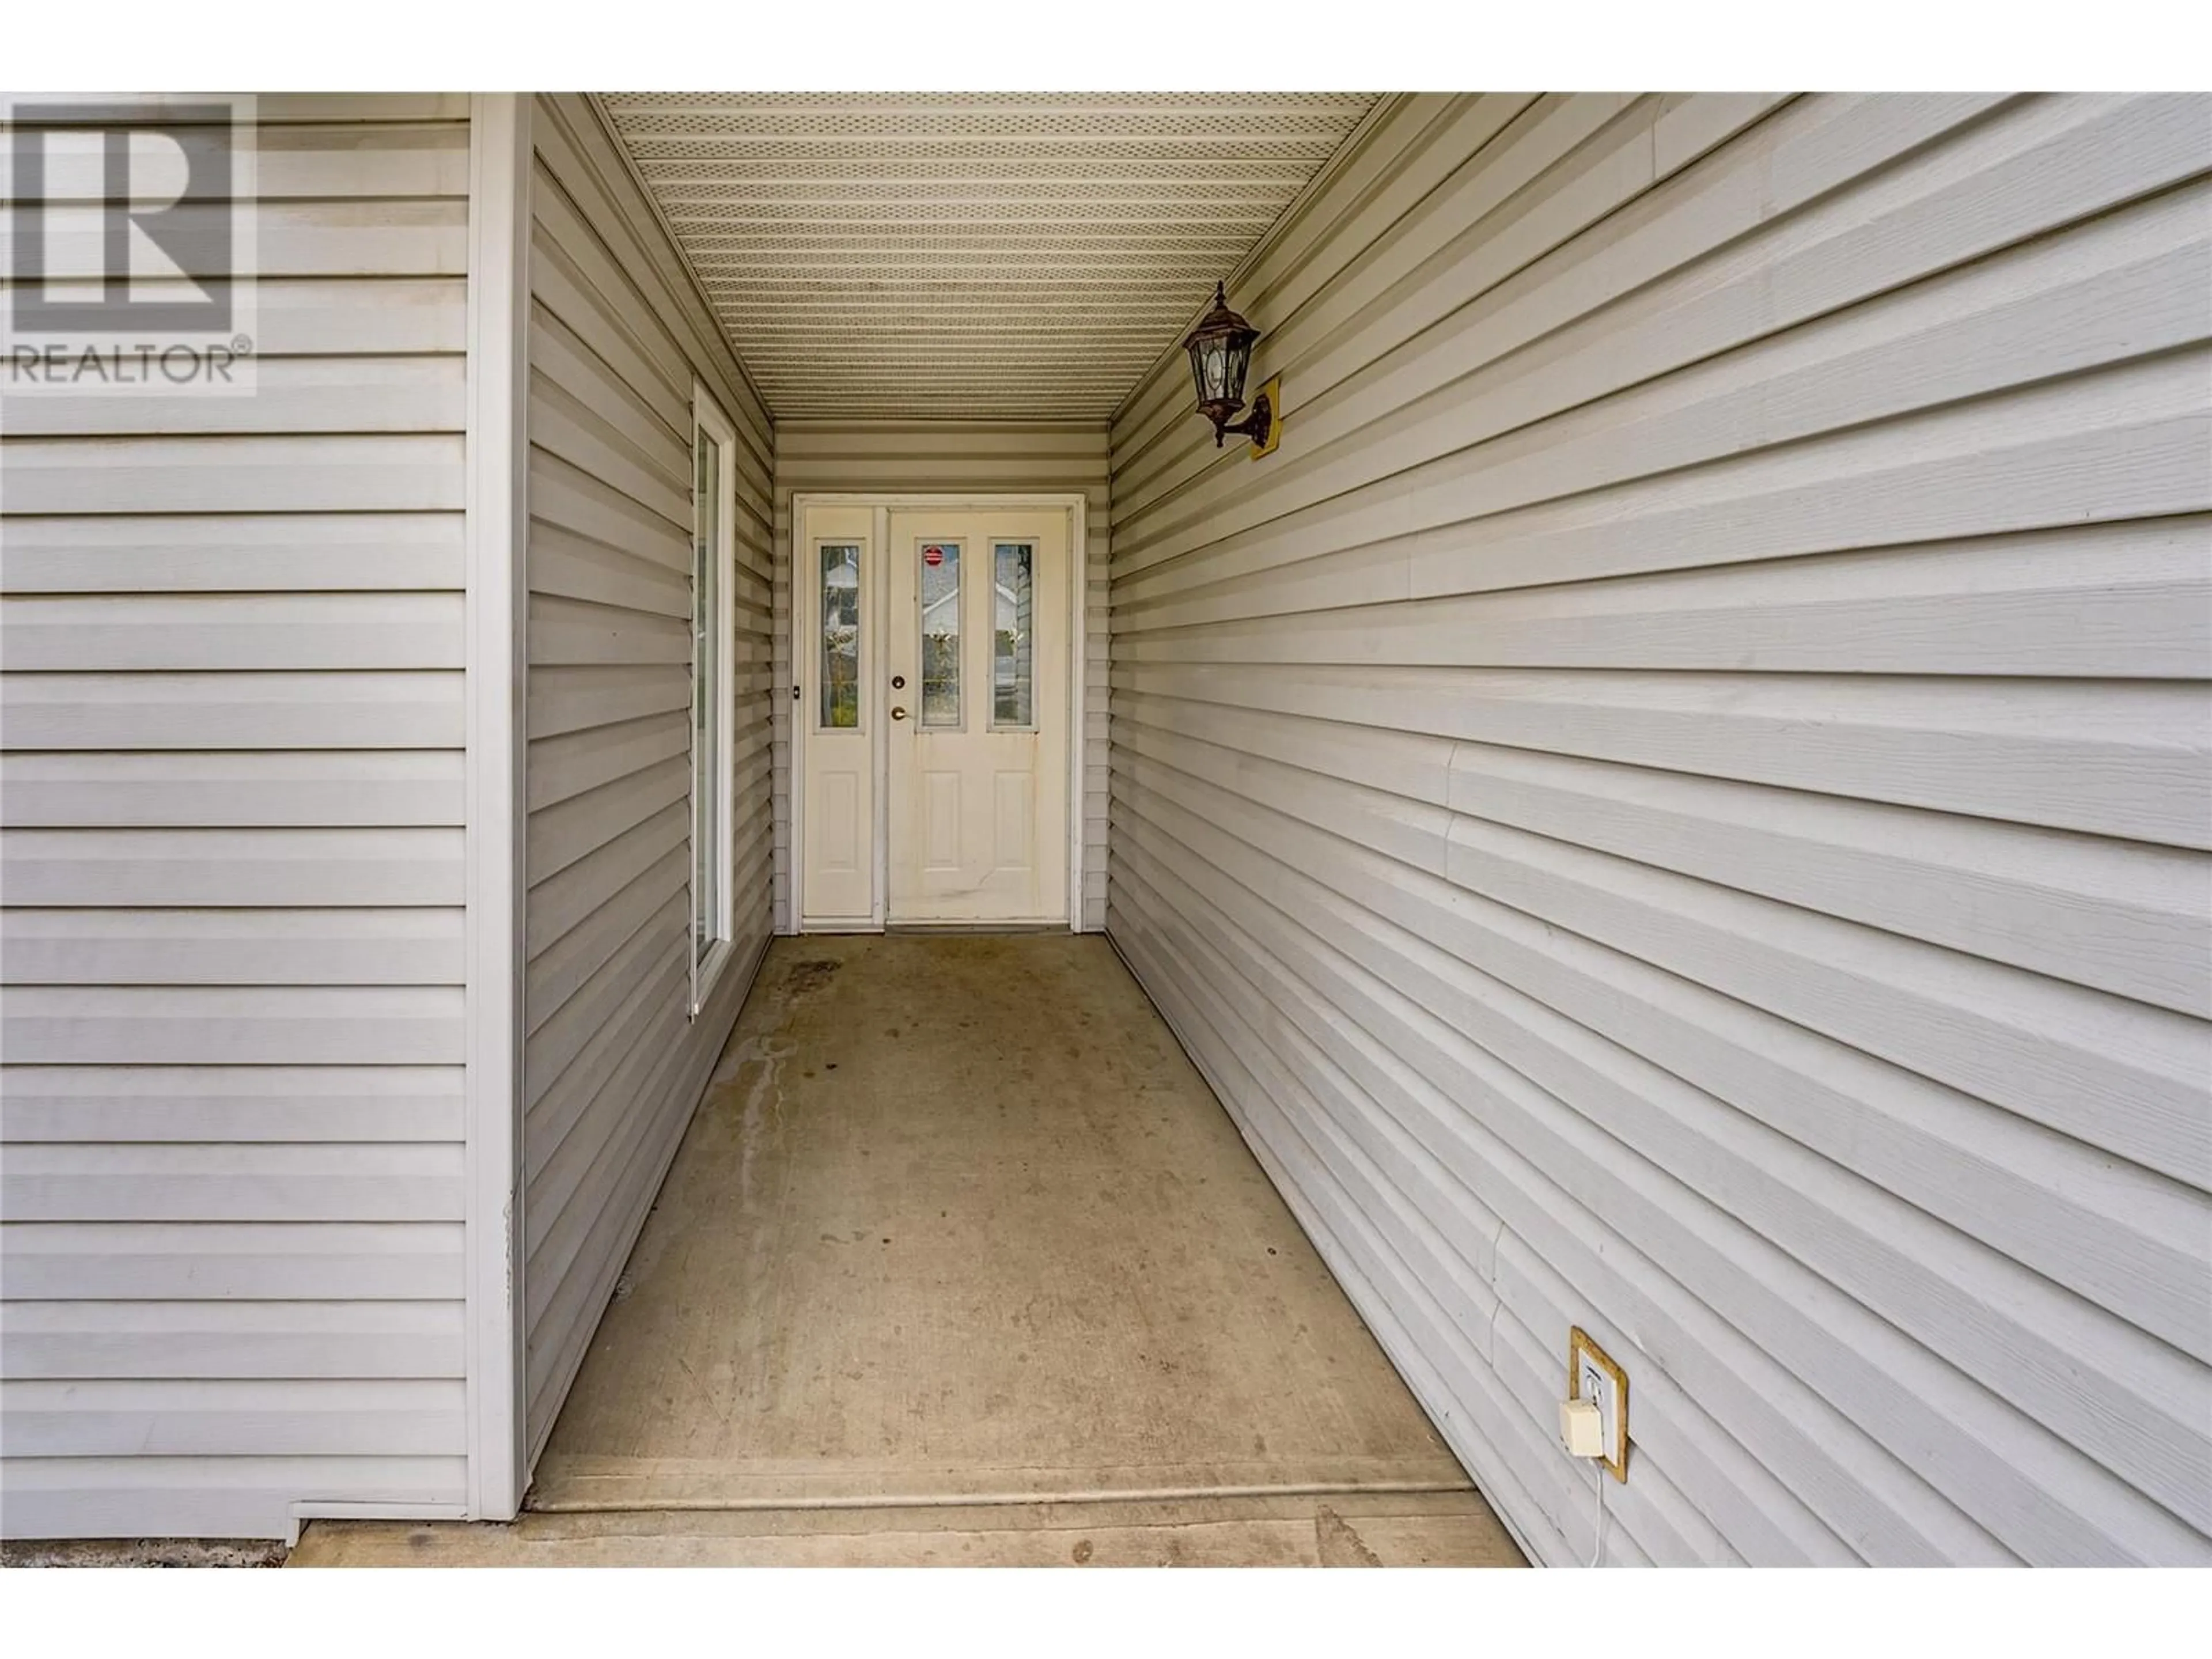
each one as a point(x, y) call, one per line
point(1210, 362)
point(1236, 354)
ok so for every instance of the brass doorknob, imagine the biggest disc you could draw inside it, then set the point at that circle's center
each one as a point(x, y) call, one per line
point(898, 714)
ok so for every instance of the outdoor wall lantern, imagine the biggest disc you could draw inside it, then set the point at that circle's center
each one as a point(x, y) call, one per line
point(1220, 350)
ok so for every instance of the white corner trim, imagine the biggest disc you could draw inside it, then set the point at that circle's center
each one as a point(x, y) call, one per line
point(1078, 698)
point(498, 587)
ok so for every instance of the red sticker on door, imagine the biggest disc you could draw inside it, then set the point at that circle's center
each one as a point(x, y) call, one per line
point(933, 556)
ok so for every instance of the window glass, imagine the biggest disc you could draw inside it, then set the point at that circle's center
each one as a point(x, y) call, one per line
point(840, 637)
point(940, 634)
point(1012, 638)
point(706, 716)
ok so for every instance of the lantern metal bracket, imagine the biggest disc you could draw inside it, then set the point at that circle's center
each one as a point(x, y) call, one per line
point(1263, 426)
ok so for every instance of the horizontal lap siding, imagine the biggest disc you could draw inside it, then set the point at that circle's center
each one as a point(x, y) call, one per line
point(951, 458)
point(613, 1065)
point(1676, 801)
point(233, 829)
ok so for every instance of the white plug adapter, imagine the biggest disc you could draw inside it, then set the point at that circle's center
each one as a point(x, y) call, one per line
point(1582, 1429)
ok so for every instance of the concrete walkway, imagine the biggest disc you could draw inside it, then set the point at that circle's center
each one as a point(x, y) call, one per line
point(961, 1261)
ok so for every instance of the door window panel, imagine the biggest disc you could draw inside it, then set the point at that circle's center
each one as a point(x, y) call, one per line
point(1014, 692)
point(840, 637)
point(940, 634)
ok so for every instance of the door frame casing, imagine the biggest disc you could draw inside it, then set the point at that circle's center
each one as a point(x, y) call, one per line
point(803, 621)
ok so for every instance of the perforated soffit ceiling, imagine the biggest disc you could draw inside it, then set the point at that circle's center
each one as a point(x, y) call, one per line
point(968, 256)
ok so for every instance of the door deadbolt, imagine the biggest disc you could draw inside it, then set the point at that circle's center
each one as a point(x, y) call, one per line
point(898, 682)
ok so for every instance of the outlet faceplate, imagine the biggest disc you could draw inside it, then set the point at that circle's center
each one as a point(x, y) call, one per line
point(1592, 1376)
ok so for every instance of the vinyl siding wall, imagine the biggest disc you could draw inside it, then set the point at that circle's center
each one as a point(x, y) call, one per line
point(949, 458)
point(233, 1103)
point(612, 1064)
point(1677, 801)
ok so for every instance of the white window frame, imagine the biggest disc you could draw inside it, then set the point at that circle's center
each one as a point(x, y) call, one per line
point(707, 967)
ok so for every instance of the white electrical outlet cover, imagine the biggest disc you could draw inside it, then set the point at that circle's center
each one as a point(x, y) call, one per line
point(1592, 1376)
point(1595, 1384)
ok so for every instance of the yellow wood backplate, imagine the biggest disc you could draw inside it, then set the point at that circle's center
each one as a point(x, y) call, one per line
point(1273, 392)
point(1579, 1343)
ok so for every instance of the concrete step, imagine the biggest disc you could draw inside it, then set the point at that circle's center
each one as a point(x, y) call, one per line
point(1337, 1530)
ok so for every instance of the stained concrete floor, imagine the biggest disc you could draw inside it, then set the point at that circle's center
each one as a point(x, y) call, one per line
point(962, 1260)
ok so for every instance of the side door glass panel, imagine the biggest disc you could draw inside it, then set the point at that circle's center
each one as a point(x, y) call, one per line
point(840, 637)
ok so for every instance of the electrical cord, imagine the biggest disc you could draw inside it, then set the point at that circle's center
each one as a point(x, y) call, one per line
point(1597, 1533)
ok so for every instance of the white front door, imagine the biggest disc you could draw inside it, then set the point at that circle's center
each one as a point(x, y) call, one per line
point(978, 660)
point(933, 703)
